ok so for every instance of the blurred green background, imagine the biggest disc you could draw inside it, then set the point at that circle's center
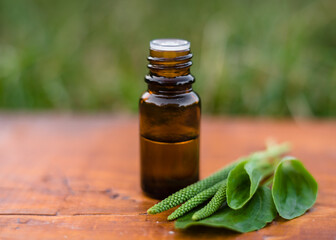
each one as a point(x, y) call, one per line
point(274, 58)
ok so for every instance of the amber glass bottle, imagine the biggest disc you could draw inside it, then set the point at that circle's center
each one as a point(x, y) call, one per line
point(170, 114)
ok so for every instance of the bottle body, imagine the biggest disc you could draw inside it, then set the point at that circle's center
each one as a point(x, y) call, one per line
point(170, 114)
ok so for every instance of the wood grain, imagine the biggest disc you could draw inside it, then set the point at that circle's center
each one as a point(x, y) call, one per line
point(77, 177)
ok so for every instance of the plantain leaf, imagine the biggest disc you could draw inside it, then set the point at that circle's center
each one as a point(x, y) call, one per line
point(294, 189)
point(243, 181)
point(259, 211)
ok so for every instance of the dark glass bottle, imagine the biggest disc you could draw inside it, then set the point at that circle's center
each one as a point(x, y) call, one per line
point(170, 114)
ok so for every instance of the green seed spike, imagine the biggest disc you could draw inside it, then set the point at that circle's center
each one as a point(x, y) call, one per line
point(190, 191)
point(215, 203)
point(195, 201)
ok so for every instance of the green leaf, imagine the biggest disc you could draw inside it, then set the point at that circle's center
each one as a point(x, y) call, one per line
point(259, 211)
point(294, 188)
point(244, 179)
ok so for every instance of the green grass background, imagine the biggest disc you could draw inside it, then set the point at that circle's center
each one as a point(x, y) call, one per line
point(274, 58)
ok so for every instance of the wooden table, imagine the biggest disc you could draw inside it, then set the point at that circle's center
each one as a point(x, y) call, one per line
point(77, 177)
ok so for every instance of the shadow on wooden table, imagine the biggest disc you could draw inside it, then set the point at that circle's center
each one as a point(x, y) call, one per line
point(202, 231)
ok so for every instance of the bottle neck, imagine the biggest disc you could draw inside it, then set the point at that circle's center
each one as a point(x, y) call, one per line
point(169, 89)
point(169, 71)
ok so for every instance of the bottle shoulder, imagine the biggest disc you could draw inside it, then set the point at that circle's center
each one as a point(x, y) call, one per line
point(185, 99)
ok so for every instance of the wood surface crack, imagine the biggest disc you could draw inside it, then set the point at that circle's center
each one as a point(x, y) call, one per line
point(29, 214)
point(67, 185)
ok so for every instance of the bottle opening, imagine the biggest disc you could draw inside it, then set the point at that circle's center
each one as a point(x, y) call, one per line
point(169, 44)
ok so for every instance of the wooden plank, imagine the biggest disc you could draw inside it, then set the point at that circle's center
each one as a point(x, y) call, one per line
point(77, 177)
point(145, 227)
